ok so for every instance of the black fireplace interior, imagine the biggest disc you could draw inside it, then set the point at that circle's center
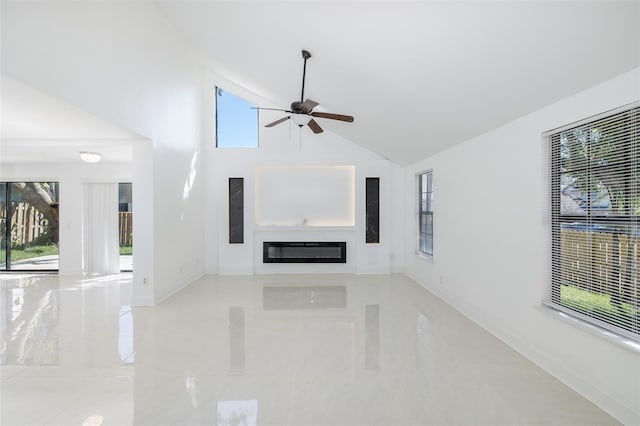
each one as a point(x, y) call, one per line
point(304, 252)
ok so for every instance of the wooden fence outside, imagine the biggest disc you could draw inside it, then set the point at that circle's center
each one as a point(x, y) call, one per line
point(126, 228)
point(591, 263)
point(28, 223)
point(591, 253)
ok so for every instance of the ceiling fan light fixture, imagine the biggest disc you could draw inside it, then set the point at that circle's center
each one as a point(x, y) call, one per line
point(301, 112)
point(90, 157)
point(301, 119)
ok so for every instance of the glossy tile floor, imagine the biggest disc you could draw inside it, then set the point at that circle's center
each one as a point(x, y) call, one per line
point(51, 263)
point(267, 350)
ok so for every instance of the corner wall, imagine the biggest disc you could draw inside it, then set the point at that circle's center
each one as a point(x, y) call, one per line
point(125, 63)
point(490, 252)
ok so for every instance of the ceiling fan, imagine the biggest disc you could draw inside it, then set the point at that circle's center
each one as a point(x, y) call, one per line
point(302, 111)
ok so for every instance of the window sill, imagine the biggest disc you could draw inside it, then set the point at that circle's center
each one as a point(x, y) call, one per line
point(425, 257)
point(236, 147)
point(618, 340)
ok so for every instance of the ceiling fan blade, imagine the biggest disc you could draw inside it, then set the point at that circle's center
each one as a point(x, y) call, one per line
point(278, 121)
point(331, 116)
point(308, 105)
point(272, 109)
point(314, 126)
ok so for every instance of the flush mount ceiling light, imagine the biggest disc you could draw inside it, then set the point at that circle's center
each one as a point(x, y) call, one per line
point(90, 157)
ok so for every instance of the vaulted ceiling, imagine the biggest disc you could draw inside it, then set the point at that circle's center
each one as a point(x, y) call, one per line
point(418, 76)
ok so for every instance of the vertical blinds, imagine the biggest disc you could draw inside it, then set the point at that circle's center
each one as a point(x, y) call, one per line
point(595, 220)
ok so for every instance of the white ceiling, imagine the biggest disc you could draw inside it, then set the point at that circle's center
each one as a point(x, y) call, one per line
point(35, 127)
point(418, 76)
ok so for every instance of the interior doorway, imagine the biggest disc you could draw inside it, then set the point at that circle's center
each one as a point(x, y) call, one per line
point(125, 212)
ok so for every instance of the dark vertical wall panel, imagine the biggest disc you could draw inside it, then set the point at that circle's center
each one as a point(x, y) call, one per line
point(236, 210)
point(373, 210)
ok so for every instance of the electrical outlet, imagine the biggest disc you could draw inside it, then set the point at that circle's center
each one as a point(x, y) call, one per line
point(145, 281)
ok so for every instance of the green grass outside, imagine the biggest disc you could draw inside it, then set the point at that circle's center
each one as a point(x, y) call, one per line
point(21, 253)
point(597, 305)
point(28, 252)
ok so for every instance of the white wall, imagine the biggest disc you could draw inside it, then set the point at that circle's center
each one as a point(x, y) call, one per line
point(489, 251)
point(71, 176)
point(287, 145)
point(124, 62)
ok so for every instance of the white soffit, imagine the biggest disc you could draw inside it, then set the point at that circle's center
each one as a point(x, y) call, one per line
point(35, 127)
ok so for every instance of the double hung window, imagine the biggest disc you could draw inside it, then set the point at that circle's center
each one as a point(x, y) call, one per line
point(595, 212)
point(425, 213)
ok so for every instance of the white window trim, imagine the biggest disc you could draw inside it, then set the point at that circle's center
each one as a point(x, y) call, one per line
point(571, 319)
point(215, 121)
point(594, 326)
point(419, 253)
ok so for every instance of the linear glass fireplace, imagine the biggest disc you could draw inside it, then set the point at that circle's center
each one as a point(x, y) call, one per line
point(304, 252)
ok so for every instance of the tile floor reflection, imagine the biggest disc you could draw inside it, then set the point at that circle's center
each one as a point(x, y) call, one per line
point(268, 350)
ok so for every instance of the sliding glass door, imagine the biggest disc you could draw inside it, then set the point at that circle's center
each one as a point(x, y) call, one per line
point(125, 211)
point(3, 226)
point(29, 216)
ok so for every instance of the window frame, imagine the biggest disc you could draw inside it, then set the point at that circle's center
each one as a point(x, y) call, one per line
point(591, 218)
point(8, 233)
point(217, 117)
point(426, 232)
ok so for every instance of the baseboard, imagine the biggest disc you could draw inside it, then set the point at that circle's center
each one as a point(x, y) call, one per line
point(144, 302)
point(184, 284)
point(617, 410)
point(373, 271)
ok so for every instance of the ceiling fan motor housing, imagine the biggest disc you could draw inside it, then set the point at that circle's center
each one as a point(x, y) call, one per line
point(298, 108)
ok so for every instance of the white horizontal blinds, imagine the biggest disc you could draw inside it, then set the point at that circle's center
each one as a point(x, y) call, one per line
point(595, 220)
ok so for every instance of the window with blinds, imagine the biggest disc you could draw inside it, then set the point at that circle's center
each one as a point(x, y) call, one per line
point(595, 218)
point(425, 213)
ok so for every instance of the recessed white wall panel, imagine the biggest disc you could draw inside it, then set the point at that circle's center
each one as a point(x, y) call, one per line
point(305, 196)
